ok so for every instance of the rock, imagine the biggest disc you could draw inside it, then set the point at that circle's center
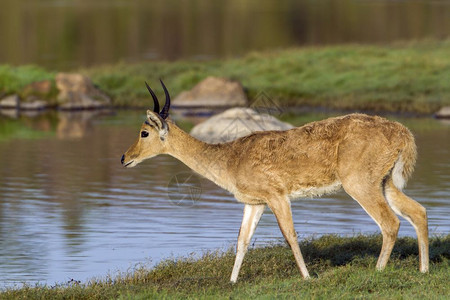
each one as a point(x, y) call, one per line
point(77, 91)
point(39, 88)
point(11, 101)
point(443, 113)
point(31, 103)
point(234, 123)
point(34, 104)
point(213, 92)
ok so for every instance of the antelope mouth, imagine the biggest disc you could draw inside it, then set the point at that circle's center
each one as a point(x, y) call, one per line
point(128, 164)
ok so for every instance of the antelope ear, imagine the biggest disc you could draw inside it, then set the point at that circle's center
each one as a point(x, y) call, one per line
point(159, 123)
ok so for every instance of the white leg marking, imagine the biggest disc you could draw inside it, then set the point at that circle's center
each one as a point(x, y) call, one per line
point(252, 215)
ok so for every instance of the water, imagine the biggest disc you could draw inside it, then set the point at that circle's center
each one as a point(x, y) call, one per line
point(69, 34)
point(68, 210)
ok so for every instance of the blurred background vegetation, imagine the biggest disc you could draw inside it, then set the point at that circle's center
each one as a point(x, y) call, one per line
point(340, 54)
point(67, 34)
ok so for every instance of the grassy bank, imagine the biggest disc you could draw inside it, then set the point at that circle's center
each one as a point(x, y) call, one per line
point(407, 77)
point(341, 267)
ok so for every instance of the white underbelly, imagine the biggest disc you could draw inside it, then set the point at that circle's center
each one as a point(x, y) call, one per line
point(316, 191)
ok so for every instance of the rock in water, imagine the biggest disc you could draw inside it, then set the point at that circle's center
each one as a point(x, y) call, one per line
point(10, 102)
point(234, 123)
point(443, 113)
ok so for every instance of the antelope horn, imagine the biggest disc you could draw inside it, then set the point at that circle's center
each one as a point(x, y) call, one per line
point(165, 111)
point(155, 99)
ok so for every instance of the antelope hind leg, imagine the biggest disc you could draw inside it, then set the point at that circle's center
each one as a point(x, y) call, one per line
point(373, 202)
point(416, 214)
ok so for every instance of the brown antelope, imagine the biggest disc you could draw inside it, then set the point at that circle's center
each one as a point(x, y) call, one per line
point(371, 158)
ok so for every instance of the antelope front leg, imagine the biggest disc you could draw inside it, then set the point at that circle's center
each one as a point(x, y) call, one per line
point(252, 215)
point(283, 213)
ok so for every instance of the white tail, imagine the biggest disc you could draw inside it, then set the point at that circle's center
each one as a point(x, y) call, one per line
point(397, 174)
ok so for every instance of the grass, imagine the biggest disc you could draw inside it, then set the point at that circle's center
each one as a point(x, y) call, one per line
point(341, 267)
point(406, 77)
point(403, 77)
point(13, 80)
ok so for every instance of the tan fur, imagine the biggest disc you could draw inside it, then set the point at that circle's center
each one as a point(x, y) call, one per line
point(370, 157)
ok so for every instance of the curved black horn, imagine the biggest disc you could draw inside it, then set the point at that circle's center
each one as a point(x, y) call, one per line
point(155, 99)
point(165, 111)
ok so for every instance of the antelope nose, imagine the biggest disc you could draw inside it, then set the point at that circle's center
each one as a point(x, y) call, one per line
point(122, 159)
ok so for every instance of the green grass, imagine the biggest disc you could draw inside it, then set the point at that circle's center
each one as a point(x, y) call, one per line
point(341, 267)
point(407, 77)
point(402, 77)
point(13, 80)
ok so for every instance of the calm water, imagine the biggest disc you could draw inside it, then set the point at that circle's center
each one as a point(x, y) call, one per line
point(68, 210)
point(72, 33)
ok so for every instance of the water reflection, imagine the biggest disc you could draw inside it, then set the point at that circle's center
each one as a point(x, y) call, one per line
point(69, 210)
point(10, 113)
point(67, 34)
point(66, 124)
point(75, 125)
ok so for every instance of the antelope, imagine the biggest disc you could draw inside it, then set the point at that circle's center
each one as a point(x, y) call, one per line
point(370, 157)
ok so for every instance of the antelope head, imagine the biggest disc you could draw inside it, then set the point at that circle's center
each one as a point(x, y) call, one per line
point(153, 133)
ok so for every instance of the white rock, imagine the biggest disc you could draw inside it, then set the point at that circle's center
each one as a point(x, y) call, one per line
point(11, 101)
point(234, 123)
point(34, 105)
point(443, 113)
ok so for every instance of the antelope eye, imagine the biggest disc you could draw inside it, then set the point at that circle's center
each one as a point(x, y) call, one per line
point(144, 134)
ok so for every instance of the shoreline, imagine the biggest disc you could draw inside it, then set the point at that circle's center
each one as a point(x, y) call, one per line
point(340, 266)
point(410, 78)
